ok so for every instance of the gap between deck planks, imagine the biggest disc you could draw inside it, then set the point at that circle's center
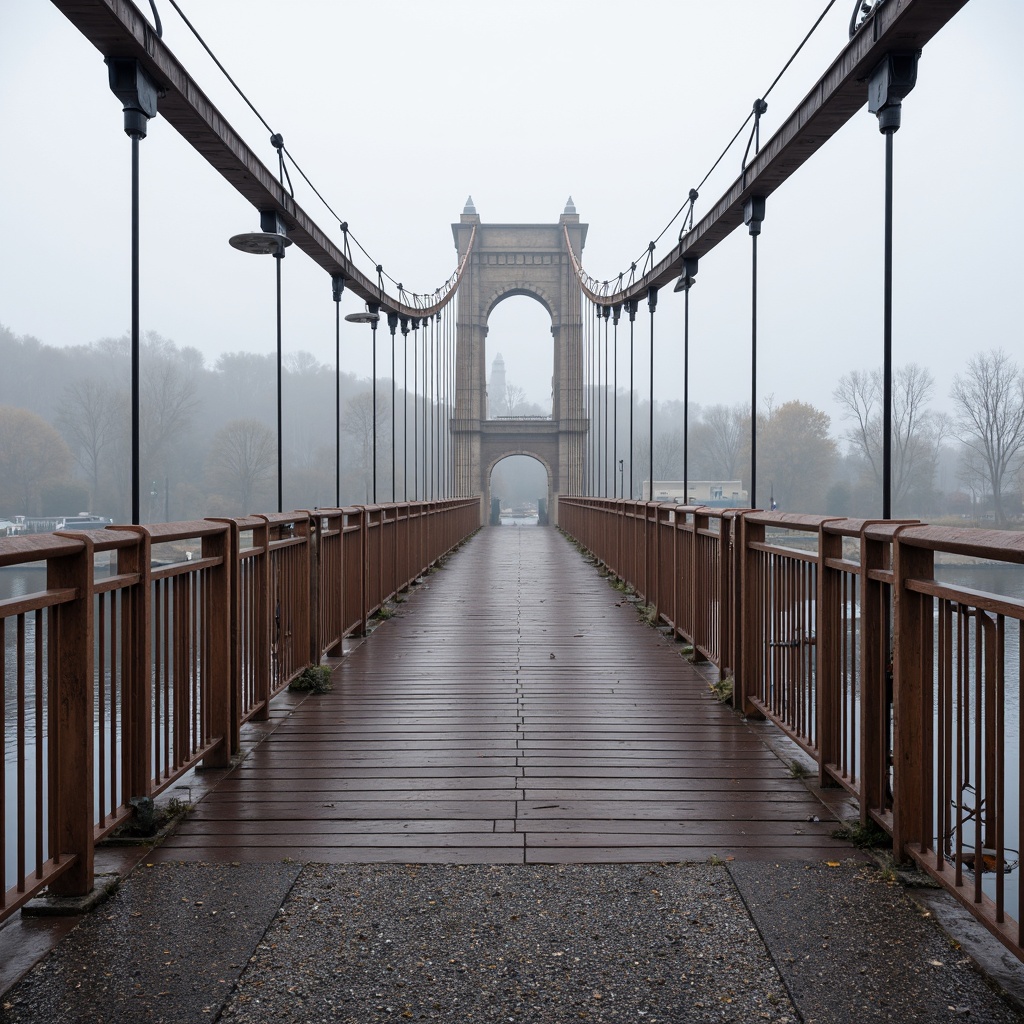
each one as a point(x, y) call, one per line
point(515, 709)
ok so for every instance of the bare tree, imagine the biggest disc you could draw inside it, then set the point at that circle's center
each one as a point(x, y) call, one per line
point(242, 462)
point(357, 424)
point(917, 433)
point(168, 398)
point(90, 418)
point(716, 442)
point(989, 399)
point(515, 397)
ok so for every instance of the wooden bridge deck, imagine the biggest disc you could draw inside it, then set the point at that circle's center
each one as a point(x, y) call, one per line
point(514, 710)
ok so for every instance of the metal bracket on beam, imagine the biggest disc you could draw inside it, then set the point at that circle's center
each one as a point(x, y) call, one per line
point(890, 82)
point(753, 214)
point(688, 276)
point(136, 91)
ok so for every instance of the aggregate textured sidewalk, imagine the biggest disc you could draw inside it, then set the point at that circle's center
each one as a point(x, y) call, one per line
point(665, 943)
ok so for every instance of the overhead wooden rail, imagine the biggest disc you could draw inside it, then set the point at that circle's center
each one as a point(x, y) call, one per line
point(117, 29)
point(836, 97)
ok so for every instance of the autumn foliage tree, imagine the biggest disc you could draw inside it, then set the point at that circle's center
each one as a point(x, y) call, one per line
point(795, 456)
point(33, 457)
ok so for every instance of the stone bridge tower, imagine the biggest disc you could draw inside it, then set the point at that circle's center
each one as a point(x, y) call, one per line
point(531, 260)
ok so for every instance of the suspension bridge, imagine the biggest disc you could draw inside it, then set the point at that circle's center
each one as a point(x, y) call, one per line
point(515, 705)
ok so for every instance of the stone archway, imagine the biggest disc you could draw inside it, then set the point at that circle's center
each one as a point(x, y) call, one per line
point(507, 260)
point(493, 464)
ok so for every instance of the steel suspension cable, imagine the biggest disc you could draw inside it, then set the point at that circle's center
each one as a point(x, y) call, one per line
point(739, 131)
point(279, 143)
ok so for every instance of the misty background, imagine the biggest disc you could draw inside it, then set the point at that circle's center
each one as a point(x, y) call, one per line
point(521, 107)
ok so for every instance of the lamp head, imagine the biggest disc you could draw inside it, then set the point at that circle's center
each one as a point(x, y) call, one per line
point(363, 317)
point(261, 243)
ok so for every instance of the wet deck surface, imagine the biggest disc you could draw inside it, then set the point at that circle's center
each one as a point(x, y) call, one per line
point(515, 710)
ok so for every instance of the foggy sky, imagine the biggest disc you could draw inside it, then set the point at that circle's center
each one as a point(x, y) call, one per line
point(399, 110)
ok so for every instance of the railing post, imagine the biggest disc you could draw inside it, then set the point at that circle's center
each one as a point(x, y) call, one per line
point(71, 751)
point(136, 682)
point(676, 569)
point(912, 699)
point(265, 634)
point(874, 660)
point(314, 554)
point(828, 628)
point(726, 611)
point(265, 638)
point(217, 611)
point(235, 635)
point(364, 528)
point(696, 583)
point(752, 639)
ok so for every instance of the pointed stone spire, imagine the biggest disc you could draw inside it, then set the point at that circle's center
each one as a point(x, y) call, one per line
point(470, 209)
point(570, 207)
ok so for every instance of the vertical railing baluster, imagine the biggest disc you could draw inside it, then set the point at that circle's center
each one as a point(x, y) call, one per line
point(912, 707)
point(71, 833)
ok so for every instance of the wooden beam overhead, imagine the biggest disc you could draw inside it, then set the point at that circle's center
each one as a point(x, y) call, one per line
point(117, 29)
point(835, 98)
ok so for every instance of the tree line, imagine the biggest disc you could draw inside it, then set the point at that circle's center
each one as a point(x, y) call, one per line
point(968, 462)
point(207, 432)
point(209, 445)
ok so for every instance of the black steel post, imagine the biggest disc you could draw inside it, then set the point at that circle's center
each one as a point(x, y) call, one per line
point(136, 499)
point(278, 256)
point(892, 79)
point(631, 309)
point(373, 329)
point(615, 400)
point(753, 373)
point(887, 340)
point(684, 284)
point(753, 215)
point(138, 95)
point(652, 304)
point(392, 326)
point(405, 409)
point(686, 397)
point(337, 287)
point(604, 465)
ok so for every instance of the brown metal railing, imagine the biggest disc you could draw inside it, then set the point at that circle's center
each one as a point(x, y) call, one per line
point(144, 649)
point(905, 690)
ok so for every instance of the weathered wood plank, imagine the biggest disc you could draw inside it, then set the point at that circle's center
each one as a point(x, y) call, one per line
point(453, 735)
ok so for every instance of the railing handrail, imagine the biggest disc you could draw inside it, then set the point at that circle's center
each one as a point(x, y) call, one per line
point(185, 650)
point(806, 637)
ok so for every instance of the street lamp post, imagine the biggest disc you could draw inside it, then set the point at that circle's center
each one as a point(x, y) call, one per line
point(371, 316)
point(684, 284)
point(272, 240)
point(894, 77)
point(337, 287)
point(138, 95)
